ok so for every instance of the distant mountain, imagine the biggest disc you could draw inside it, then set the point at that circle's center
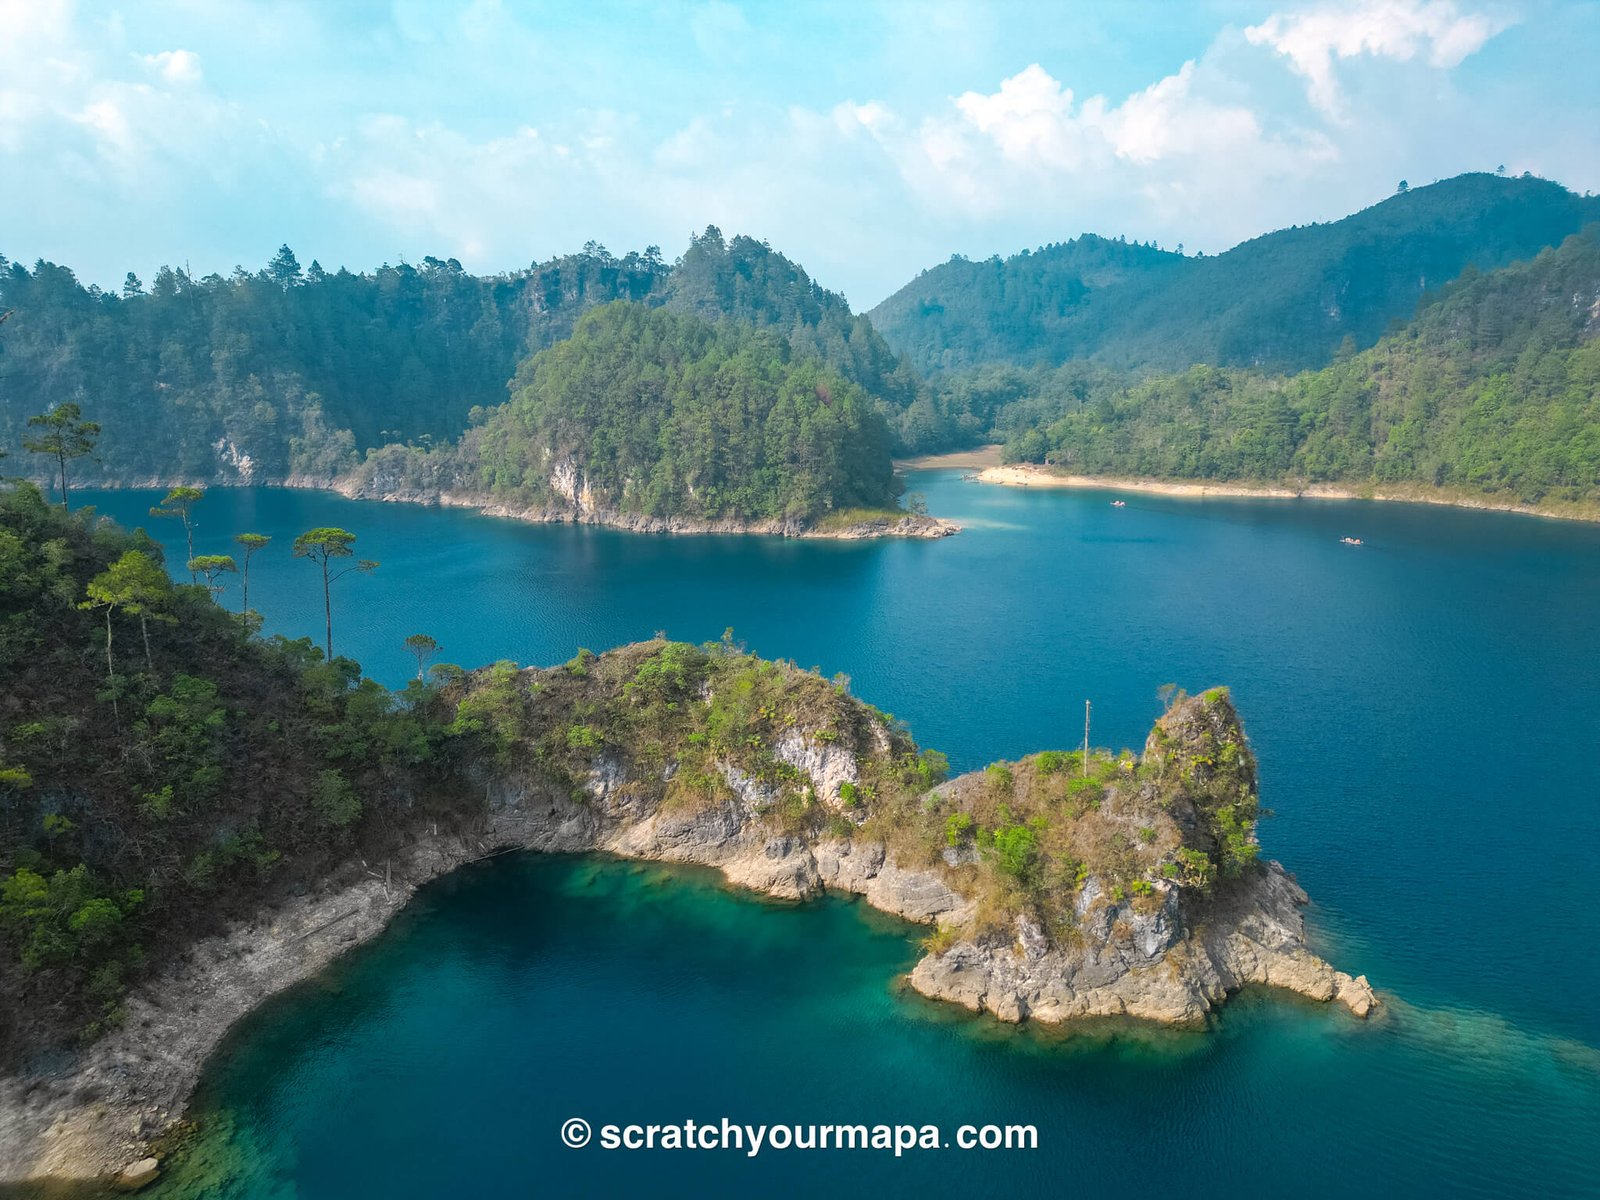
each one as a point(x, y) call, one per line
point(1493, 389)
point(1286, 301)
point(293, 373)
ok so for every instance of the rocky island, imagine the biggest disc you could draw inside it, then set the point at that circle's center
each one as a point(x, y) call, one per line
point(656, 422)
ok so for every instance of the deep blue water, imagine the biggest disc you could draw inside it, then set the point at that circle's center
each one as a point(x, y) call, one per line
point(1425, 711)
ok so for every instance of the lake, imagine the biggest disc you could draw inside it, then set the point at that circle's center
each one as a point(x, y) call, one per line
point(1425, 710)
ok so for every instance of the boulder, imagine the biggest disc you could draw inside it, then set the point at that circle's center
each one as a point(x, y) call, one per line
point(137, 1175)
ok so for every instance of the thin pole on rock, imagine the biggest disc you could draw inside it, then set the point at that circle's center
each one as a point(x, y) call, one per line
point(1086, 739)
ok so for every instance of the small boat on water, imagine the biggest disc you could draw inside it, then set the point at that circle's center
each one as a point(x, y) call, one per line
point(1119, 504)
point(1350, 541)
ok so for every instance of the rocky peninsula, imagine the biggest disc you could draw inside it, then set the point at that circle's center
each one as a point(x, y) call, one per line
point(1054, 887)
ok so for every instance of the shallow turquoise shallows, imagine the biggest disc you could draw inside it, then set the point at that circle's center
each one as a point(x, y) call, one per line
point(1426, 708)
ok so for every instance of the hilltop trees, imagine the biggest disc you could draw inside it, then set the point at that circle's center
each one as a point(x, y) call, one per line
point(288, 372)
point(322, 546)
point(212, 566)
point(422, 648)
point(136, 584)
point(63, 435)
point(180, 503)
point(250, 543)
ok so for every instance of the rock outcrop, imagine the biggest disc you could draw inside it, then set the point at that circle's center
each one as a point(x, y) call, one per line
point(1161, 966)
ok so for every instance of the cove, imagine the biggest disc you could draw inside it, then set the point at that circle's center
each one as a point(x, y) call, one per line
point(445, 1057)
point(1423, 708)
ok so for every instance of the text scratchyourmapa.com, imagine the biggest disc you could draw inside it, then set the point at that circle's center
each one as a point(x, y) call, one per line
point(752, 1140)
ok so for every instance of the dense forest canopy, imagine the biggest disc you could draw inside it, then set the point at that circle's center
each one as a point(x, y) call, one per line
point(659, 413)
point(1285, 301)
point(1494, 389)
point(747, 281)
point(262, 376)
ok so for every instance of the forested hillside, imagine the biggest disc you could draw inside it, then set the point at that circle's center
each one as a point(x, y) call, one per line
point(747, 281)
point(160, 768)
point(1494, 389)
point(652, 412)
point(1285, 301)
point(261, 376)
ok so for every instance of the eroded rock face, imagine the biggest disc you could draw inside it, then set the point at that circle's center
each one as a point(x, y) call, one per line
point(1147, 964)
point(827, 764)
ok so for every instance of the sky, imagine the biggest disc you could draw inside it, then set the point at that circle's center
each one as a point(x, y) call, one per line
point(866, 139)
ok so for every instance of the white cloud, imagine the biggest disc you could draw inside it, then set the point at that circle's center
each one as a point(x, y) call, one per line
point(1169, 120)
point(166, 133)
point(1029, 145)
point(1400, 30)
point(1029, 119)
point(175, 66)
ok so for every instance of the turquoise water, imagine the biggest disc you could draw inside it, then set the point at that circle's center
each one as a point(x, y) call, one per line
point(1425, 710)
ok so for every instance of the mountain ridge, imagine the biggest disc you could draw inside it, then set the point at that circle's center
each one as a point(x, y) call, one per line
point(1285, 300)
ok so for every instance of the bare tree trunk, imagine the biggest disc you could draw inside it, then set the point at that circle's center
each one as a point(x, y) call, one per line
point(144, 628)
point(327, 607)
point(111, 671)
point(62, 459)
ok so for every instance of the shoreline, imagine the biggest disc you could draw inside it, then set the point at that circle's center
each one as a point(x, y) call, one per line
point(1027, 475)
point(905, 525)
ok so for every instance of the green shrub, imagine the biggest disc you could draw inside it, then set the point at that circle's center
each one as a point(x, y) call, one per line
point(335, 800)
point(1051, 762)
point(583, 739)
point(956, 828)
point(1015, 850)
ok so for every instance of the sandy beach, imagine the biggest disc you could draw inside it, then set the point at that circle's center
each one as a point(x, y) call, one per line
point(1028, 475)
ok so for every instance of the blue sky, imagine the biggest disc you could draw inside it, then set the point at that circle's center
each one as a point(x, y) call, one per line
point(867, 140)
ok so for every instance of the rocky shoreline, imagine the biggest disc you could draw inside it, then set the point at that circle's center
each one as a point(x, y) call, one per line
point(1172, 961)
point(910, 525)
